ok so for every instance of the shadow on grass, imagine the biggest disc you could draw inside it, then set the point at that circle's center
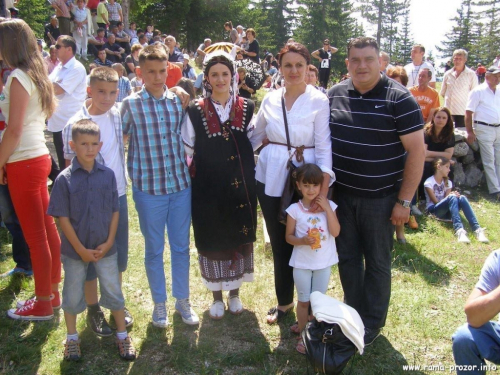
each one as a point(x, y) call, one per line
point(380, 358)
point(21, 342)
point(154, 353)
point(407, 258)
point(234, 343)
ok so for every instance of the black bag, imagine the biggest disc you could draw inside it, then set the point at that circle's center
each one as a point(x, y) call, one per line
point(327, 348)
point(289, 194)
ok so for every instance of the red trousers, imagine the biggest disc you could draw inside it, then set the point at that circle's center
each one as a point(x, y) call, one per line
point(27, 182)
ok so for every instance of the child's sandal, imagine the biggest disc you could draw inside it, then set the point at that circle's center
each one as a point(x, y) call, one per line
point(294, 328)
point(300, 347)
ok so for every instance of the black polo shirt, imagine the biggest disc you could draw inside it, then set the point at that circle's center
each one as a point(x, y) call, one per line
point(368, 156)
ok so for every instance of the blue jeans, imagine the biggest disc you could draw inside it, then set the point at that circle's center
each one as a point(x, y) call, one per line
point(452, 205)
point(471, 346)
point(121, 240)
point(364, 247)
point(174, 211)
point(20, 249)
point(75, 271)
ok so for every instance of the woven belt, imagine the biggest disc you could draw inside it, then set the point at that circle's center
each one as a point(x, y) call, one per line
point(299, 151)
point(484, 123)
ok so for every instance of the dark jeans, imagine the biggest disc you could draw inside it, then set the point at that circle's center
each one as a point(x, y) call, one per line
point(282, 251)
point(58, 144)
point(64, 25)
point(20, 249)
point(364, 247)
point(459, 121)
point(324, 75)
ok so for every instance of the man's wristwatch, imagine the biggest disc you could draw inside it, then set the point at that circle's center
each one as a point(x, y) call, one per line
point(405, 204)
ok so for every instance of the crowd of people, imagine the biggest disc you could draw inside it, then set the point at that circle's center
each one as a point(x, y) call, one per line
point(192, 160)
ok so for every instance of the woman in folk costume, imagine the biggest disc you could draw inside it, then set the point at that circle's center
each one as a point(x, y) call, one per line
point(224, 202)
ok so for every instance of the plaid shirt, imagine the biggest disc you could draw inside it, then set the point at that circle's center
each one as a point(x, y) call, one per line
point(124, 88)
point(113, 11)
point(83, 113)
point(156, 162)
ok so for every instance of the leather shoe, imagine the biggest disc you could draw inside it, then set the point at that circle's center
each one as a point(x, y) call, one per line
point(97, 322)
point(371, 335)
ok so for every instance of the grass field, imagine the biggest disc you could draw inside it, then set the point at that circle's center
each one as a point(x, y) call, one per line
point(432, 276)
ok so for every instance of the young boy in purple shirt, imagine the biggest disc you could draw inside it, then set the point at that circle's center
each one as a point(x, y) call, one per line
point(85, 199)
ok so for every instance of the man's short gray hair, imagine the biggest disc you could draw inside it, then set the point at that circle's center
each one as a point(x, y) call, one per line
point(462, 52)
point(384, 56)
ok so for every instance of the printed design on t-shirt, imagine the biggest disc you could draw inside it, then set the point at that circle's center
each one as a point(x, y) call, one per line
point(316, 232)
point(438, 191)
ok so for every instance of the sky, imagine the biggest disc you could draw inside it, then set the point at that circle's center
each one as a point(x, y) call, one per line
point(430, 21)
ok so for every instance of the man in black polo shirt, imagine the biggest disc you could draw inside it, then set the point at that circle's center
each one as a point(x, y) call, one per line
point(378, 158)
point(51, 32)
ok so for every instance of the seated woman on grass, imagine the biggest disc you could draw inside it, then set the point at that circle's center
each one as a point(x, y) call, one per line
point(443, 203)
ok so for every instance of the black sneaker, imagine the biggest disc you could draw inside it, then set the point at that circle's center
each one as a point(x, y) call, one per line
point(97, 322)
point(371, 335)
point(129, 320)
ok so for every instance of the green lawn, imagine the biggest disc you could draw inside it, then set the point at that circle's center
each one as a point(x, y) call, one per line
point(432, 277)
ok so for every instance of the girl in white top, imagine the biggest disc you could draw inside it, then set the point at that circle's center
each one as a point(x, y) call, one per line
point(26, 101)
point(313, 236)
point(307, 112)
point(444, 203)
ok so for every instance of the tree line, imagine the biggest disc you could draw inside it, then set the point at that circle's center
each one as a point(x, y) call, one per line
point(307, 21)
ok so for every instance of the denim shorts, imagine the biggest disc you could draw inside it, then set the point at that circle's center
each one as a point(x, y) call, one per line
point(75, 271)
point(121, 240)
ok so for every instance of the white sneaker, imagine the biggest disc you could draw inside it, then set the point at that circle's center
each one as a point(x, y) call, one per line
point(462, 236)
point(415, 211)
point(479, 233)
point(234, 304)
point(183, 307)
point(216, 311)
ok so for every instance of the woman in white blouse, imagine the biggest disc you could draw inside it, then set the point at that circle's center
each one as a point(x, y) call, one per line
point(307, 113)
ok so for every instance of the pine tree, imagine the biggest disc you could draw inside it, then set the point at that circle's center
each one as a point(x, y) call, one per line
point(461, 35)
point(405, 41)
point(322, 19)
point(488, 42)
point(393, 10)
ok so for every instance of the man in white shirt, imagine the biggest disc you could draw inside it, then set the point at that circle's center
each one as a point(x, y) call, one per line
point(413, 68)
point(457, 83)
point(69, 80)
point(241, 34)
point(482, 120)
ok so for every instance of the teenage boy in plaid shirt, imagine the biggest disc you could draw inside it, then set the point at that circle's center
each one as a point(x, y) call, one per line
point(161, 185)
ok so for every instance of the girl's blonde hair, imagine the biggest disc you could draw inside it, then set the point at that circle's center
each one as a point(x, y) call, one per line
point(437, 162)
point(18, 48)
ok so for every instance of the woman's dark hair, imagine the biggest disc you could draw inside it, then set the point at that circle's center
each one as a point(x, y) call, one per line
point(446, 132)
point(229, 24)
point(220, 59)
point(187, 85)
point(309, 174)
point(297, 48)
